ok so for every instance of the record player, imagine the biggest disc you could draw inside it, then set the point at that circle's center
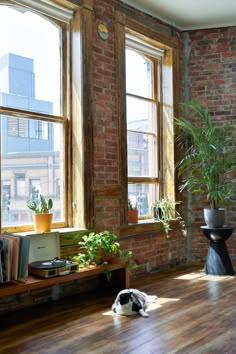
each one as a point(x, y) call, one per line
point(44, 257)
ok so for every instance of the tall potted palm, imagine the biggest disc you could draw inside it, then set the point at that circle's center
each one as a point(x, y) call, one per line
point(209, 156)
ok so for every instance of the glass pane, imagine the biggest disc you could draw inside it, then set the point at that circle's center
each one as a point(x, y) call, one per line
point(40, 155)
point(143, 195)
point(30, 61)
point(142, 155)
point(139, 73)
point(141, 115)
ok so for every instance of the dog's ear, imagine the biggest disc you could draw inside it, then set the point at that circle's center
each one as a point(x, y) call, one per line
point(124, 298)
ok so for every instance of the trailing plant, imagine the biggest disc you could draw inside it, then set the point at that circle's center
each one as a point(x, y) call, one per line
point(41, 206)
point(164, 210)
point(209, 155)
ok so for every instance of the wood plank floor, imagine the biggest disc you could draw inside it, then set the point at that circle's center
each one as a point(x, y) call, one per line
point(194, 314)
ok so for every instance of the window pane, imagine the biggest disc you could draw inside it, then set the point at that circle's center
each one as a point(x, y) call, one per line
point(143, 195)
point(142, 155)
point(42, 161)
point(139, 73)
point(6, 199)
point(20, 184)
point(141, 115)
point(30, 61)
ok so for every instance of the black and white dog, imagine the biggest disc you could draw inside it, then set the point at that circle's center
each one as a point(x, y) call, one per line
point(132, 301)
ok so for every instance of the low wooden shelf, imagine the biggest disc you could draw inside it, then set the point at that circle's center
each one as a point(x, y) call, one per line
point(119, 279)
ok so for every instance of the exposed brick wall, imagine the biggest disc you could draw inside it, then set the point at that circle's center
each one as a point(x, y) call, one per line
point(105, 113)
point(154, 251)
point(212, 69)
point(105, 118)
point(212, 75)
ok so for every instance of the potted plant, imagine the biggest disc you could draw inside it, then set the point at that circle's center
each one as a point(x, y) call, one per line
point(132, 213)
point(42, 216)
point(102, 248)
point(209, 156)
point(164, 210)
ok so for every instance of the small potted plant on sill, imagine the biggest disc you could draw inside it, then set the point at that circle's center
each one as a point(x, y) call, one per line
point(132, 213)
point(42, 216)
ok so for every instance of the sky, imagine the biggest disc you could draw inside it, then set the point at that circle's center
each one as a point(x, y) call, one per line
point(30, 35)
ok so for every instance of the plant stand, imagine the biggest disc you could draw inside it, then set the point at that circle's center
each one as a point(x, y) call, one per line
point(218, 261)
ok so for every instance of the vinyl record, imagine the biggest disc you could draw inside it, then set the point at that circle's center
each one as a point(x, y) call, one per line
point(49, 264)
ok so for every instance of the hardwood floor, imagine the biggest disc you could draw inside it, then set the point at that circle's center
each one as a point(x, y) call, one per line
point(194, 314)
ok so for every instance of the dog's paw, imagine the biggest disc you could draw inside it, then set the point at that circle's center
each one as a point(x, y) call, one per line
point(143, 313)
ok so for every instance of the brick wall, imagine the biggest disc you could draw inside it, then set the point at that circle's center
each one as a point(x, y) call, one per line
point(154, 251)
point(105, 118)
point(212, 75)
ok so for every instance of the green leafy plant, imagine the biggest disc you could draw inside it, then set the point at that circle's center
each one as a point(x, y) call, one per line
point(101, 247)
point(164, 210)
point(41, 206)
point(209, 155)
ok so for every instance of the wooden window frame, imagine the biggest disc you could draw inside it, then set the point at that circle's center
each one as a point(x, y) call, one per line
point(73, 43)
point(156, 99)
point(171, 96)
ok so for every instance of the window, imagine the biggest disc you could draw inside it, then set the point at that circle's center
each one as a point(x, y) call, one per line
point(6, 199)
point(34, 100)
point(143, 95)
point(25, 128)
point(20, 185)
point(34, 190)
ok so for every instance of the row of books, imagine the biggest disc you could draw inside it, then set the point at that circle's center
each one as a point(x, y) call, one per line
point(14, 257)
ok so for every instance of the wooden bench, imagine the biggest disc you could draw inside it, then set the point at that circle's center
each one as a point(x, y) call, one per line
point(119, 279)
point(69, 246)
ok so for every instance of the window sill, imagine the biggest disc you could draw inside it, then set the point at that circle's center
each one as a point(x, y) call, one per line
point(144, 227)
point(66, 231)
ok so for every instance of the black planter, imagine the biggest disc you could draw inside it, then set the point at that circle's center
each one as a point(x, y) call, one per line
point(215, 217)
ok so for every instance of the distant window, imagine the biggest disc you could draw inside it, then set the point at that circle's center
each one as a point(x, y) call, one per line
point(20, 187)
point(34, 190)
point(19, 127)
point(6, 199)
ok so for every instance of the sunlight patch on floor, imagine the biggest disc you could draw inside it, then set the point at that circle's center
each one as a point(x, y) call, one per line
point(160, 302)
point(190, 276)
point(155, 305)
point(204, 276)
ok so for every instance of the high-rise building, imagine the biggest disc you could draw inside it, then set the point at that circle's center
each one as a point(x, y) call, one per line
point(29, 161)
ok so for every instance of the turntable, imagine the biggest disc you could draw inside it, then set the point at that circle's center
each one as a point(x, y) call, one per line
point(44, 258)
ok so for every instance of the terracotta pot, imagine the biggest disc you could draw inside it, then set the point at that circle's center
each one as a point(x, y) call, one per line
point(133, 216)
point(43, 222)
point(102, 255)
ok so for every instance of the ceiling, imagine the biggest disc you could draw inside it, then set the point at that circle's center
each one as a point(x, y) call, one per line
point(190, 14)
